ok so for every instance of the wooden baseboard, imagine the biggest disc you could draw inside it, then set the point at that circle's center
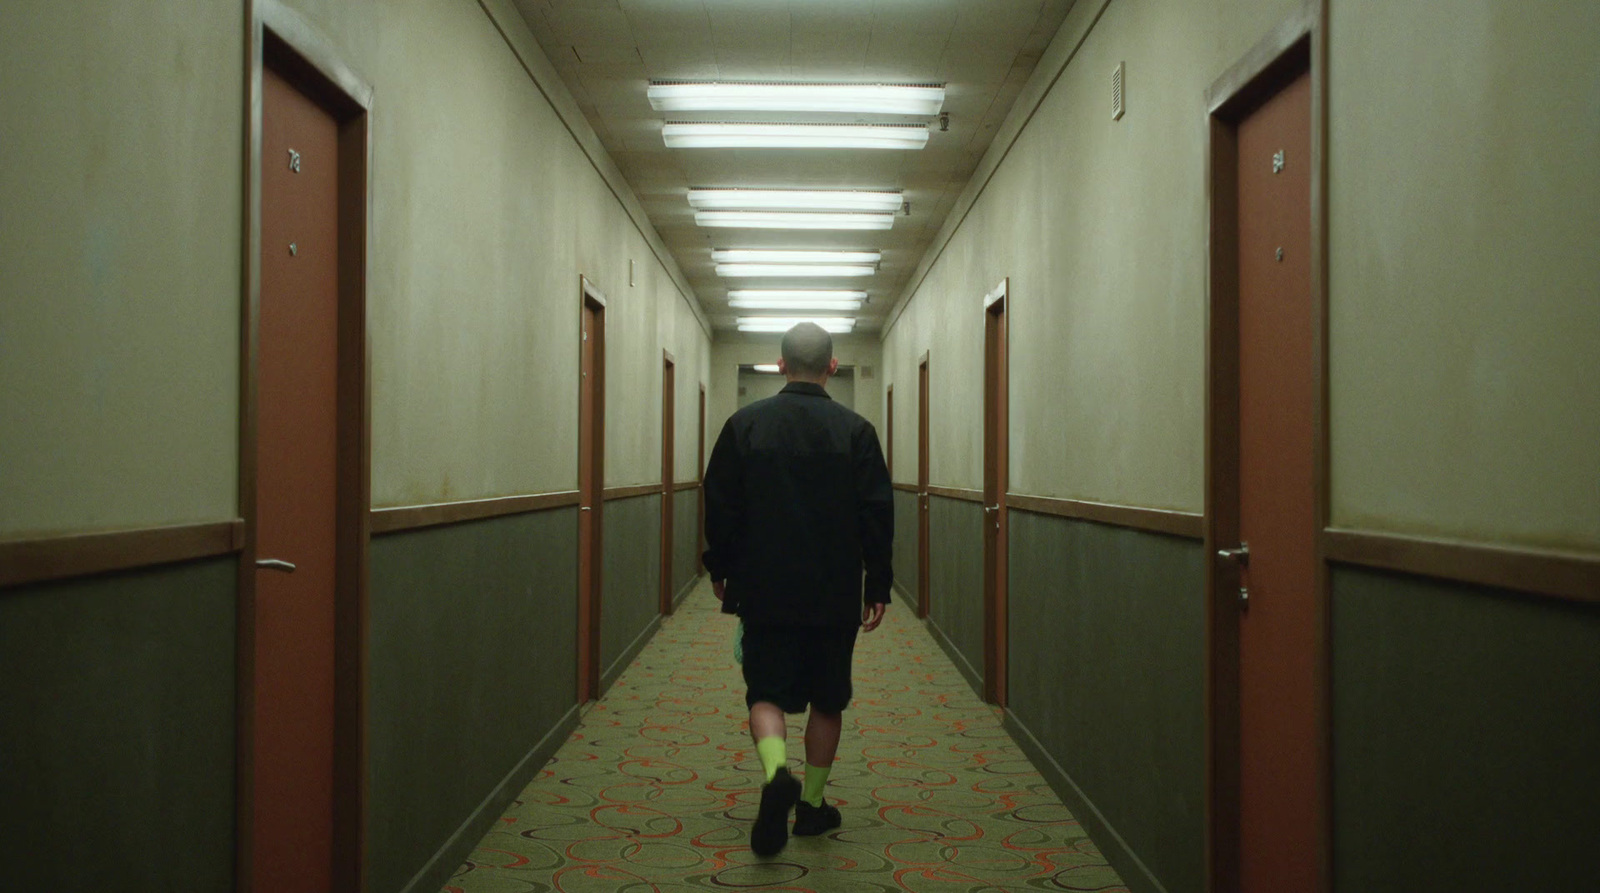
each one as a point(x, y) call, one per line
point(80, 555)
point(967, 670)
point(1165, 521)
point(413, 517)
point(687, 588)
point(1565, 575)
point(467, 835)
point(1134, 872)
point(619, 665)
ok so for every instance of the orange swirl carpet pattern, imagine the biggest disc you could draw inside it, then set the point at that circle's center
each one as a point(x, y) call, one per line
point(656, 789)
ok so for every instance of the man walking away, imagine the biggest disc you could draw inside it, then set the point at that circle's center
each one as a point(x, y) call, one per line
point(798, 505)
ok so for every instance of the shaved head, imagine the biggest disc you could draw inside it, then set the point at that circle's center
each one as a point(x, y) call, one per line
point(807, 350)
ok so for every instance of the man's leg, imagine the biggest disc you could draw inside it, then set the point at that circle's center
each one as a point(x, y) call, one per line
point(822, 745)
point(769, 730)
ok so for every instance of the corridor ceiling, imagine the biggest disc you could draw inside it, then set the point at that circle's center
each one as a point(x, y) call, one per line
point(608, 52)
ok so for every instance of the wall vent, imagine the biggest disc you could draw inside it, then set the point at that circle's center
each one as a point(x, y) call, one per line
point(1117, 107)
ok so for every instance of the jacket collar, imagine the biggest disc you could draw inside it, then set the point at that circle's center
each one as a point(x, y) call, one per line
point(806, 388)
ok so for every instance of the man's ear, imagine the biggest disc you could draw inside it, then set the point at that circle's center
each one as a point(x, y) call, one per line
point(783, 368)
point(833, 366)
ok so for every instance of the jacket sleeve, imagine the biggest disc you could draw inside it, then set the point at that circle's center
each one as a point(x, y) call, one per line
point(875, 515)
point(724, 491)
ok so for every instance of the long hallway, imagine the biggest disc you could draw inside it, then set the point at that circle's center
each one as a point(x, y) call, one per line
point(657, 787)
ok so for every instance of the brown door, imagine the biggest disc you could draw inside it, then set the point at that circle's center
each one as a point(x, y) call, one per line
point(922, 488)
point(297, 444)
point(888, 429)
point(669, 391)
point(996, 421)
point(591, 483)
point(700, 476)
point(1281, 799)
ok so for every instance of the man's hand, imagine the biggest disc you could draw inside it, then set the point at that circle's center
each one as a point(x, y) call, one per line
point(719, 588)
point(871, 616)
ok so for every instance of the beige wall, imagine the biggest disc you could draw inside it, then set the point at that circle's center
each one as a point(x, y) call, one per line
point(1464, 327)
point(121, 169)
point(119, 264)
point(1463, 296)
point(731, 350)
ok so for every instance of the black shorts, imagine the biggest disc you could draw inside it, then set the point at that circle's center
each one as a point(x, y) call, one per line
point(793, 666)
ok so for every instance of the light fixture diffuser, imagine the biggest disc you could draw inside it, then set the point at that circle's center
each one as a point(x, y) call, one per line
point(769, 368)
point(800, 304)
point(794, 220)
point(836, 324)
point(840, 201)
point(788, 256)
point(685, 135)
point(924, 100)
point(795, 270)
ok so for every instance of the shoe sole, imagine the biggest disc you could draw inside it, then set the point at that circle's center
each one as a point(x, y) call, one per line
point(771, 830)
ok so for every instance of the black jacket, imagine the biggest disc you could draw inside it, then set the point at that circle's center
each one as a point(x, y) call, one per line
point(798, 504)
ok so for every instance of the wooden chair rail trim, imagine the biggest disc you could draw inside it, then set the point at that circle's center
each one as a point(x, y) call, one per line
point(960, 493)
point(413, 517)
point(38, 560)
point(686, 485)
point(1573, 576)
point(611, 493)
point(907, 488)
point(1166, 521)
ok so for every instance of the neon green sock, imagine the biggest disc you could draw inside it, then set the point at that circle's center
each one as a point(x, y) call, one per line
point(774, 754)
point(816, 779)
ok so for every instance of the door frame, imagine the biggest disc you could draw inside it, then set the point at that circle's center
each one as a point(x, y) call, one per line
point(924, 474)
point(1297, 45)
point(281, 39)
point(669, 405)
point(996, 480)
point(700, 483)
point(888, 429)
point(591, 490)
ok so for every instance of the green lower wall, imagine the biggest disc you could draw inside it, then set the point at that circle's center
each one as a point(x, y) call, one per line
point(685, 538)
point(1107, 659)
point(631, 580)
point(473, 661)
point(1466, 738)
point(117, 731)
point(905, 546)
point(955, 581)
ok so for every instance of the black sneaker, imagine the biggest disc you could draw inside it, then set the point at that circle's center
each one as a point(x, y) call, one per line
point(810, 821)
point(771, 830)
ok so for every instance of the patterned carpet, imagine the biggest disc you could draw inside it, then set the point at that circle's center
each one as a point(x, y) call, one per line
point(657, 788)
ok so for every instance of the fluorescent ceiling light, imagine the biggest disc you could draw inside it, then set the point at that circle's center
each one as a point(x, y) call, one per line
point(806, 270)
point(764, 367)
point(795, 200)
point(682, 135)
point(793, 220)
point(834, 324)
point(782, 256)
point(798, 294)
point(812, 305)
point(925, 100)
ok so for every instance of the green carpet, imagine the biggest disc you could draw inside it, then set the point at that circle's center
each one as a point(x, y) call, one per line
point(657, 788)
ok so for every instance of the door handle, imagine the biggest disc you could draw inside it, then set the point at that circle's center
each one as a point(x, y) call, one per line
point(275, 564)
point(583, 508)
point(1241, 554)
